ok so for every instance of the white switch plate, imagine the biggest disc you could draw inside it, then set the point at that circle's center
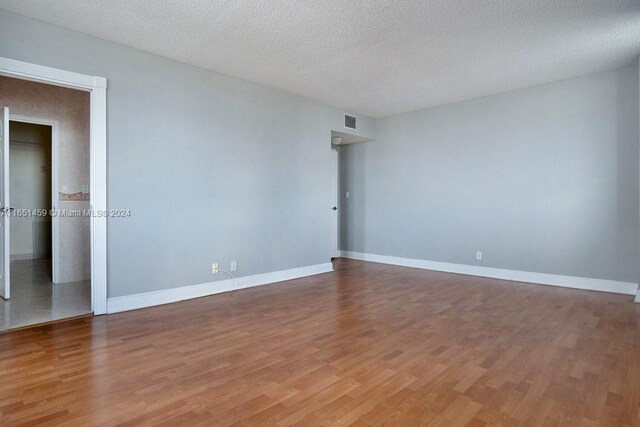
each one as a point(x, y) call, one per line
point(479, 256)
point(214, 268)
point(346, 194)
point(234, 265)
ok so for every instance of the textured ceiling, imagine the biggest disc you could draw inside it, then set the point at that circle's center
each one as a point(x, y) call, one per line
point(376, 57)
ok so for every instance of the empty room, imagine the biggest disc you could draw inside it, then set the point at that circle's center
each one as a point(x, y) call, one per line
point(312, 213)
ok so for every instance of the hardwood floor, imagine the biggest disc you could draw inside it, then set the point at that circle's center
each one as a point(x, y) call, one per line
point(366, 345)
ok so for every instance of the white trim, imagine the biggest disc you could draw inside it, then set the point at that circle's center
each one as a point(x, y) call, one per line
point(5, 201)
point(602, 285)
point(39, 73)
point(150, 299)
point(637, 296)
point(21, 257)
point(98, 196)
point(97, 86)
point(55, 221)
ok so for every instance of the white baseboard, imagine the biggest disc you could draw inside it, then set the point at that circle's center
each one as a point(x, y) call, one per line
point(627, 288)
point(637, 297)
point(20, 257)
point(149, 299)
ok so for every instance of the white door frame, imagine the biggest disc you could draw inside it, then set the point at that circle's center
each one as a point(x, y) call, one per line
point(55, 223)
point(97, 87)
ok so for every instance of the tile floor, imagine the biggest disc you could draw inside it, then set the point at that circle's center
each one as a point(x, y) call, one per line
point(34, 299)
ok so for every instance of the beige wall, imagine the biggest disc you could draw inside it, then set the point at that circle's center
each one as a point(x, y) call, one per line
point(71, 109)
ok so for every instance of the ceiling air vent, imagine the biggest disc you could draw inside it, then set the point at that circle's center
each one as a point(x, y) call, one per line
point(349, 122)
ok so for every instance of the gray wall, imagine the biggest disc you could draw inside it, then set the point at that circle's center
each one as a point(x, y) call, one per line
point(543, 179)
point(213, 168)
point(217, 169)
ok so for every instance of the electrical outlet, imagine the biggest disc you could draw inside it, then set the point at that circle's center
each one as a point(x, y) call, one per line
point(479, 256)
point(234, 265)
point(214, 268)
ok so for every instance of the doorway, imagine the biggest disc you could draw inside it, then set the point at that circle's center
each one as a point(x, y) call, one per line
point(342, 213)
point(32, 180)
point(96, 86)
point(335, 198)
point(46, 241)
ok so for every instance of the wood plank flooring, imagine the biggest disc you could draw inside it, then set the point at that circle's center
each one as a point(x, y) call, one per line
point(366, 345)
